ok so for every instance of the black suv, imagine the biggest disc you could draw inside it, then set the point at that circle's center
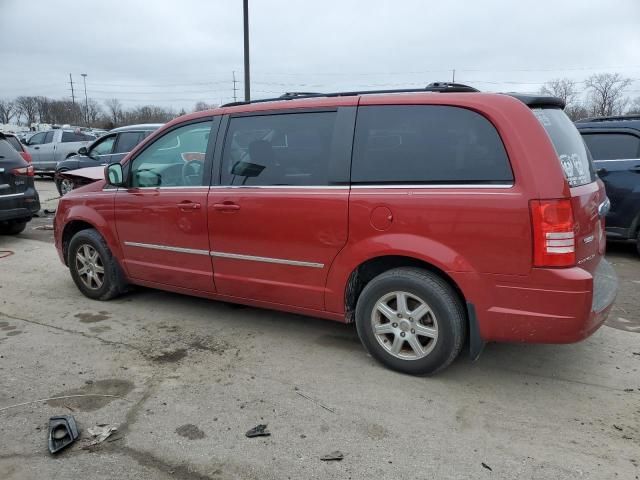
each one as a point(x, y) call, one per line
point(19, 199)
point(614, 143)
point(111, 147)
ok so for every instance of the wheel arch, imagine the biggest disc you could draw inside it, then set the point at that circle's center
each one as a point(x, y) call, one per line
point(83, 218)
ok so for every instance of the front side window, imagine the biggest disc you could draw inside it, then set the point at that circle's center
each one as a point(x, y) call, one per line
point(174, 160)
point(104, 147)
point(48, 138)
point(278, 149)
point(430, 144)
point(612, 146)
point(126, 141)
point(37, 139)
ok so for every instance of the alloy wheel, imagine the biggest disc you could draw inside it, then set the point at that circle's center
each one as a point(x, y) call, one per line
point(89, 267)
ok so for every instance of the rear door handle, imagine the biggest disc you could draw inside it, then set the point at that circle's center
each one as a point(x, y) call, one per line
point(226, 207)
point(188, 205)
point(635, 168)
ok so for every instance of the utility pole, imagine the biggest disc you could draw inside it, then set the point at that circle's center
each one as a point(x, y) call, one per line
point(86, 100)
point(73, 97)
point(235, 99)
point(247, 87)
point(454, 75)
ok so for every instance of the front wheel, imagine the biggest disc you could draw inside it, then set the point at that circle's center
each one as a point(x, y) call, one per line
point(64, 186)
point(411, 320)
point(93, 268)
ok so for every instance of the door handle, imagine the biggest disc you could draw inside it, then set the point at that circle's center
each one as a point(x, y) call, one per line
point(188, 205)
point(226, 207)
point(635, 168)
point(36, 148)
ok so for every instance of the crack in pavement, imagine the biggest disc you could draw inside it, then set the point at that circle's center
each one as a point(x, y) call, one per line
point(74, 332)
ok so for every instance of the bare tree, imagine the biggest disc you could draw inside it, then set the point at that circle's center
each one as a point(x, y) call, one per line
point(606, 93)
point(94, 111)
point(8, 110)
point(28, 107)
point(563, 88)
point(201, 106)
point(114, 107)
point(634, 108)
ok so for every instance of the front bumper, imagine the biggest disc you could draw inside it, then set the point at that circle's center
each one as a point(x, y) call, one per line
point(547, 306)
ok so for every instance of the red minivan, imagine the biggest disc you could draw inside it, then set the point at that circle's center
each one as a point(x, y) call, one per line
point(427, 217)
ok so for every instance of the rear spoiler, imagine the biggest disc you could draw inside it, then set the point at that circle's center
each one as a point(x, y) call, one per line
point(539, 101)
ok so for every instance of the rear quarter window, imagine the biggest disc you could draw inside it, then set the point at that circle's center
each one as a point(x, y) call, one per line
point(427, 144)
point(15, 143)
point(612, 146)
point(571, 150)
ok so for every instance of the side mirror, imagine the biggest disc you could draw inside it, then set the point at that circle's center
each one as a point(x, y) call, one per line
point(25, 141)
point(83, 151)
point(114, 175)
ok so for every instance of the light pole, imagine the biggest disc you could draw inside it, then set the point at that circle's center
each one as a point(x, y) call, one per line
point(247, 87)
point(86, 100)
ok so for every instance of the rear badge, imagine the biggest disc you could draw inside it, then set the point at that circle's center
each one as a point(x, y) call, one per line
point(588, 239)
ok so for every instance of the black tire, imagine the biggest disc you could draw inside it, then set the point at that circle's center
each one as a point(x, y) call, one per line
point(442, 301)
point(12, 228)
point(59, 184)
point(113, 279)
point(638, 242)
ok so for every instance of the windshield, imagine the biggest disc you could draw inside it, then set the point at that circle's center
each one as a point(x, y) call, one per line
point(572, 153)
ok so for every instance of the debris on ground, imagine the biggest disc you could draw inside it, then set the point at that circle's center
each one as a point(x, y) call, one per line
point(99, 433)
point(486, 466)
point(628, 390)
point(43, 227)
point(50, 211)
point(63, 431)
point(336, 455)
point(258, 431)
point(617, 427)
point(314, 400)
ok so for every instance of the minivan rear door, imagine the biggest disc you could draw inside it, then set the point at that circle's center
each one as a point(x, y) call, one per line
point(588, 197)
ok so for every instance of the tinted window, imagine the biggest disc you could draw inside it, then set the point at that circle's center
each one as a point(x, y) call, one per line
point(126, 141)
point(612, 146)
point(285, 149)
point(568, 144)
point(48, 138)
point(15, 143)
point(37, 139)
point(76, 137)
point(427, 144)
point(175, 159)
point(104, 147)
point(7, 152)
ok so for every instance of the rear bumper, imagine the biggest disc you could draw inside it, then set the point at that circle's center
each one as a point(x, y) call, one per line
point(547, 306)
point(20, 207)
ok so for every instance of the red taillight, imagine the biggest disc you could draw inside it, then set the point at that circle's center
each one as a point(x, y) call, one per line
point(26, 156)
point(24, 171)
point(554, 241)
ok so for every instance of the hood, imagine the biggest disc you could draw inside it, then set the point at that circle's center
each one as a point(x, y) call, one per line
point(91, 173)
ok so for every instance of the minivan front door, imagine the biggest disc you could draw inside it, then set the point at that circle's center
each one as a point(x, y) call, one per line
point(279, 217)
point(161, 218)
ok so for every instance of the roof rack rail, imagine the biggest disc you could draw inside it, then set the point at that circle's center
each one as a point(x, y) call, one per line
point(631, 116)
point(440, 87)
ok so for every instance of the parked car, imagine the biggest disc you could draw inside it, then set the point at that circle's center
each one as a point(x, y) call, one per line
point(19, 199)
point(49, 148)
point(441, 215)
point(17, 144)
point(109, 148)
point(614, 143)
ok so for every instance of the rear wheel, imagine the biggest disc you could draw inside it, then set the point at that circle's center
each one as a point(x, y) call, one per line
point(12, 228)
point(411, 320)
point(93, 268)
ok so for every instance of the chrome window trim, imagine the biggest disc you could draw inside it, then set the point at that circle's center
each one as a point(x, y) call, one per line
point(167, 248)
point(465, 186)
point(9, 195)
point(271, 187)
point(282, 261)
point(198, 187)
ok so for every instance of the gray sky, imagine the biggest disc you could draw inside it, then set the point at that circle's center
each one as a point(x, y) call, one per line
point(174, 53)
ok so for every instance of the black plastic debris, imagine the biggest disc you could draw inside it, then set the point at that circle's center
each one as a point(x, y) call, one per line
point(333, 456)
point(258, 431)
point(63, 431)
point(487, 466)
